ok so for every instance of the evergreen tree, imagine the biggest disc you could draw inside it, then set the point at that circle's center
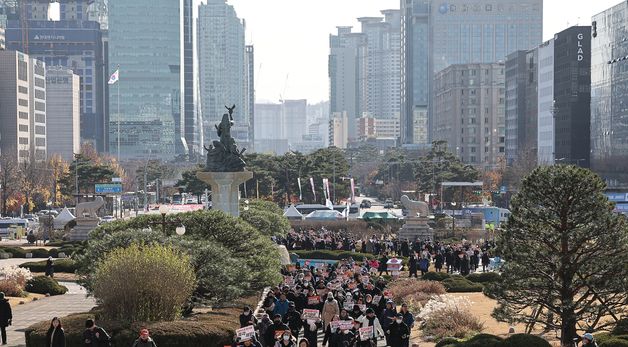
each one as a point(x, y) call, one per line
point(565, 252)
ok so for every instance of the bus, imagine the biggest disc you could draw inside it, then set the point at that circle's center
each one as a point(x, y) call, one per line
point(6, 224)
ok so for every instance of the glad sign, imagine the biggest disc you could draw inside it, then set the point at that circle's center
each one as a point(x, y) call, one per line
point(580, 50)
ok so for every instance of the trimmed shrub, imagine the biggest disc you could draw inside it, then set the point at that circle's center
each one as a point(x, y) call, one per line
point(485, 340)
point(449, 317)
point(621, 328)
point(60, 265)
point(483, 277)
point(459, 284)
point(16, 252)
point(144, 283)
point(435, 276)
point(525, 340)
point(448, 341)
point(407, 288)
point(614, 341)
point(45, 285)
point(332, 255)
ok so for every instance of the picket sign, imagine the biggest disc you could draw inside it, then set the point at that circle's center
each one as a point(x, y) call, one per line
point(366, 333)
point(246, 333)
point(310, 314)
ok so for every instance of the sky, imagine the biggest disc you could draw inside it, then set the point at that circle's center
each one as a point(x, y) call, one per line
point(291, 37)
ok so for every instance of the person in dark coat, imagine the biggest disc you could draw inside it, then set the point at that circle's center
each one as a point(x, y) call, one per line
point(55, 337)
point(413, 264)
point(50, 267)
point(398, 333)
point(269, 336)
point(486, 260)
point(293, 320)
point(144, 340)
point(310, 331)
point(5, 317)
point(464, 264)
point(247, 318)
point(424, 266)
point(383, 266)
point(95, 336)
point(438, 264)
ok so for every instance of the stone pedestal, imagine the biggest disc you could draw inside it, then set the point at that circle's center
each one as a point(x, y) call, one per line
point(83, 226)
point(416, 228)
point(225, 189)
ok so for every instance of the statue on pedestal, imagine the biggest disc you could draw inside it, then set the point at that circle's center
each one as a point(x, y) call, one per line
point(223, 155)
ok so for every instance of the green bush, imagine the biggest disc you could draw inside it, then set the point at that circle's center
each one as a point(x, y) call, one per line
point(144, 283)
point(45, 285)
point(525, 340)
point(614, 341)
point(60, 265)
point(621, 328)
point(483, 277)
point(459, 284)
point(435, 276)
point(448, 341)
point(266, 222)
point(332, 255)
point(39, 252)
point(16, 252)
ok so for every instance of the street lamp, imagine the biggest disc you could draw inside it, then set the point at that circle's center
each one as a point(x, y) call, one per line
point(180, 230)
point(163, 210)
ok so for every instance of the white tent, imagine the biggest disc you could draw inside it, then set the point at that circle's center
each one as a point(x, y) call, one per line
point(325, 215)
point(63, 219)
point(293, 213)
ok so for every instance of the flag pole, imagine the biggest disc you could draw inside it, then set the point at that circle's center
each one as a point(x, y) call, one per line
point(118, 114)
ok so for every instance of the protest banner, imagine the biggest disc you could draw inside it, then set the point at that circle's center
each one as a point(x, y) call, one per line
point(310, 314)
point(388, 294)
point(313, 300)
point(289, 281)
point(348, 305)
point(366, 333)
point(376, 299)
point(246, 333)
point(278, 333)
point(345, 325)
point(335, 324)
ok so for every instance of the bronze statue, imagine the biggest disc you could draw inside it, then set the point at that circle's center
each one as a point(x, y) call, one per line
point(223, 155)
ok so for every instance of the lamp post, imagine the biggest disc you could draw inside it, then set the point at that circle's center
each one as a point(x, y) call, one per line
point(163, 210)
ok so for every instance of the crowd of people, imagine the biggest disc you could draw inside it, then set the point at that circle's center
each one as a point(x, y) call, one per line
point(345, 304)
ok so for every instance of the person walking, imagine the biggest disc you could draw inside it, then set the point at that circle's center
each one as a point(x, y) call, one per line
point(293, 320)
point(413, 265)
point(5, 317)
point(50, 268)
point(398, 333)
point(55, 337)
point(95, 336)
point(144, 340)
point(247, 318)
point(486, 260)
point(330, 309)
point(278, 325)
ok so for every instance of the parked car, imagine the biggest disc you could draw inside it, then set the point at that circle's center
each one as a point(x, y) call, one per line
point(107, 219)
point(389, 204)
point(365, 204)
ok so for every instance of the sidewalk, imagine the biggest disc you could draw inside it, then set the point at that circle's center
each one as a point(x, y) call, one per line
point(28, 314)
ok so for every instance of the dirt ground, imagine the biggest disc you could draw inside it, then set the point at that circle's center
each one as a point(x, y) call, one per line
point(14, 301)
point(482, 307)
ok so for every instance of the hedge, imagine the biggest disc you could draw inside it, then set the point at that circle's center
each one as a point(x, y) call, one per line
point(448, 341)
point(614, 341)
point(436, 276)
point(459, 284)
point(215, 328)
point(332, 255)
point(525, 340)
point(45, 285)
point(60, 265)
point(621, 328)
point(488, 340)
point(18, 252)
point(484, 277)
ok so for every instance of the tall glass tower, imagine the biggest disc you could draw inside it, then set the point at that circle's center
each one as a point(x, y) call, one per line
point(150, 50)
point(438, 33)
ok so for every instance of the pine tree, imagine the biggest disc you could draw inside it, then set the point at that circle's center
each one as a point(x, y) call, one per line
point(565, 253)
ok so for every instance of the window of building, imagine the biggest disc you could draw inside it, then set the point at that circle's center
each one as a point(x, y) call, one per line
point(23, 153)
point(40, 106)
point(40, 118)
point(472, 149)
point(23, 128)
point(23, 90)
point(473, 159)
point(40, 94)
point(23, 115)
point(23, 102)
point(23, 141)
point(22, 70)
point(40, 142)
point(40, 130)
point(485, 149)
point(40, 82)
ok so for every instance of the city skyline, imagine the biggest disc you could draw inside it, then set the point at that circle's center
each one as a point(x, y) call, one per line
point(303, 51)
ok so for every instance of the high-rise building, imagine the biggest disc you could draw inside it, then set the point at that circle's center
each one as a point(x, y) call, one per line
point(548, 112)
point(249, 91)
point(63, 112)
point(344, 76)
point(339, 130)
point(436, 35)
point(222, 67)
point(380, 63)
point(294, 116)
point(151, 51)
point(469, 112)
point(2, 39)
point(73, 41)
point(609, 94)
point(22, 106)
point(521, 105)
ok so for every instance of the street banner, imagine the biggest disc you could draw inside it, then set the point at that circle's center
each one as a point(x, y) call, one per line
point(325, 191)
point(313, 188)
point(327, 187)
point(310, 314)
point(300, 190)
point(366, 333)
point(352, 190)
point(313, 300)
point(246, 333)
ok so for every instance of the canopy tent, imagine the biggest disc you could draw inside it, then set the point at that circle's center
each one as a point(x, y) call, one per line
point(63, 219)
point(383, 215)
point(293, 213)
point(325, 215)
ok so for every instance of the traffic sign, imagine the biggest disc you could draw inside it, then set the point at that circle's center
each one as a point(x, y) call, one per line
point(108, 188)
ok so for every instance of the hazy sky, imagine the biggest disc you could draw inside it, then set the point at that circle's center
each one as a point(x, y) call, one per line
point(291, 37)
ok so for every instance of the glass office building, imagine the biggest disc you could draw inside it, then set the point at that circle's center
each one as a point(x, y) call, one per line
point(437, 34)
point(148, 48)
point(609, 94)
